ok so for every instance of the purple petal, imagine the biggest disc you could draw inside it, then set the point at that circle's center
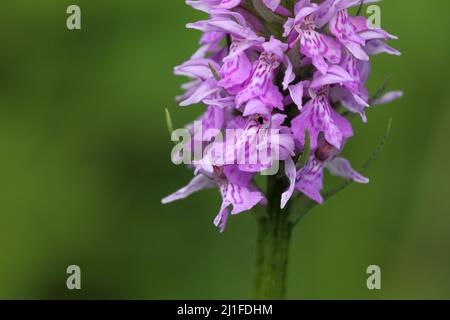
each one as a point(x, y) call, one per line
point(375, 47)
point(199, 182)
point(334, 75)
point(221, 220)
point(387, 98)
point(240, 197)
point(317, 116)
point(289, 75)
point(341, 167)
point(223, 24)
point(228, 4)
point(205, 90)
point(342, 27)
point(291, 173)
point(261, 84)
point(310, 180)
point(272, 4)
point(197, 68)
point(256, 107)
point(320, 47)
point(235, 71)
point(276, 47)
point(296, 92)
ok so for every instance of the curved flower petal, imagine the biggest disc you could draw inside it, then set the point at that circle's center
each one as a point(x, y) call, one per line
point(296, 92)
point(387, 98)
point(199, 182)
point(342, 168)
point(375, 47)
point(235, 71)
point(203, 91)
point(272, 4)
point(222, 217)
point(310, 180)
point(291, 173)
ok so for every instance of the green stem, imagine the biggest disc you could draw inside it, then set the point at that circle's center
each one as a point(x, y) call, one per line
point(274, 237)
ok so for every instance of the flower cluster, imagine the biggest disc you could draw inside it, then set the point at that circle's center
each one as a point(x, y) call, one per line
point(299, 67)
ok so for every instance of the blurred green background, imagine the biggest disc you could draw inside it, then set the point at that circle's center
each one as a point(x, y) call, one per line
point(85, 160)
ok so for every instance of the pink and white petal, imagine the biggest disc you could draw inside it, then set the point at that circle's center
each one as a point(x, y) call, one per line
point(200, 182)
point(364, 68)
point(356, 50)
point(332, 50)
point(256, 107)
point(387, 98)
point(197, 68)
point(273, 97)
point(287, 145)
point(375, 47)
point(303, 9)
point(318, 47)
point(205, 90)
point(345, 4)
point(320, 63)
point(224, 24)
point(235, 176)
point(291, 173)
point(347, 99)
point(296, 92)
point(343, 124)
point(242, 198)
point(310, 180)
point(201, 52)
point(334, 75)
point(288, 27)
point(204, 6)
point(235, 71)
point(289, 74)
point(223, 103)
point(317, 117)
point(272, 4)
point(342, 28)
point(221, 219)
point(228, 4)
point(325, 13)
point(248, 201)
point(341, 167)
point(276, 47)
point(373, 34)
point(261, 84)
